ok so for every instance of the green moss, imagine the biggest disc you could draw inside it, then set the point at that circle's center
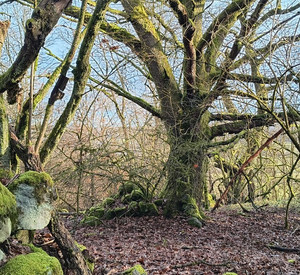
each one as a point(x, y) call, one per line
point(96, 211)
point(135, 270)
point(193, 221)
point(229, 273)
point(115, 212)
point(90, 264)
point(91, 220)
point(8, 206)
point(35, 249)
point(127, 188)
point(191, 208)
point(211, 200)
point(126, 198)
point(136, 195)
point(148, 208)
point(139, 14)
point(37, 263)
point(42, 183)
point(33, 178)
point(108, 202)
point(5, 174)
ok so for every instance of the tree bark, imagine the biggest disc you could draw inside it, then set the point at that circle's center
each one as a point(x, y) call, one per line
point(4, 25)
point(4, 132)
point(186, 190)
point(72, 254)
point(43, 20)
point(4, 137)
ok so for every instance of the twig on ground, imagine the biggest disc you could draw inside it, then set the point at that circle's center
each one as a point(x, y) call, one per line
point(284, 249)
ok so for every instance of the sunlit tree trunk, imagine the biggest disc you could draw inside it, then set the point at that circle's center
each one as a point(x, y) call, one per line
point(4, 132)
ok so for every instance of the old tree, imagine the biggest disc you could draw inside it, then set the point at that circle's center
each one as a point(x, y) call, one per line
point(209, 69)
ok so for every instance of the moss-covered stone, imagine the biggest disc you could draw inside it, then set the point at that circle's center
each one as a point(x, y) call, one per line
point(136, 195)
point(96, 211)
point(108, 202)
point(193, 221)
point(147, 209)
point(126, 198)
point(42, 183)
point(135, 270)
point(133, 205)
point(91, 220)
point(8, 205)
point(34, 193)
point(127, 188)
point(115, 212)
point(37, 263)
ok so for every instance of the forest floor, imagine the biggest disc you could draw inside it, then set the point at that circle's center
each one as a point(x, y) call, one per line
point(230, 241)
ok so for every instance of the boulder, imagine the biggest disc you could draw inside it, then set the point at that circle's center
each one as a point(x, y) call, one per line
point(38, 262)
point(34, 193)
point(8, 212)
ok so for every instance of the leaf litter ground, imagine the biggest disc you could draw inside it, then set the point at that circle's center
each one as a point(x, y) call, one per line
point(229, 242)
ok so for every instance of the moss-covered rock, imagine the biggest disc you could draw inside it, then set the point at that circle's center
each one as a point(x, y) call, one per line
point(115, 212)
point(127, 188)
point(91, 220)
point(36, 263)
point(42, 183)
point(8, 212)
point(137, 195)
point(25, 236)
point(193, 221)
point(126, 199)
point(34, 193)
point(135, 270)
point(148, 209)
point(96, 211)
point(108, 202)
point(8, 205)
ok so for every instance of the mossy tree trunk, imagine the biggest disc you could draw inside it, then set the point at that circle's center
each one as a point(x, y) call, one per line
point(184, 108)
point(186, 187)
